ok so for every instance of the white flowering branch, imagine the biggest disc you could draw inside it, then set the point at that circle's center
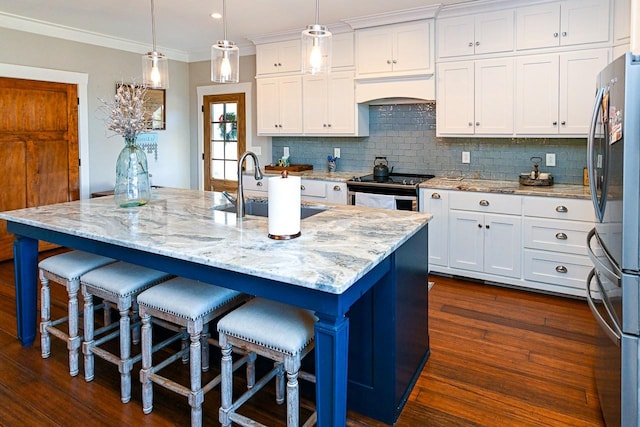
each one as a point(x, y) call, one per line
point(126, 115)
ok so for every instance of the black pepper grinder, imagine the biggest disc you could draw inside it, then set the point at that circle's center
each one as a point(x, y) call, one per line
point(536, 164)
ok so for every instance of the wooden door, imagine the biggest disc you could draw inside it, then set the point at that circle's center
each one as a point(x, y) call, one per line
point(38, 148)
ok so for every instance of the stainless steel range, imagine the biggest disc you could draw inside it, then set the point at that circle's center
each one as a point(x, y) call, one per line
point(393, 191)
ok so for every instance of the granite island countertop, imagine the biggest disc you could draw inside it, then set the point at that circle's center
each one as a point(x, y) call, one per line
point(570, 191)
point(337, 246)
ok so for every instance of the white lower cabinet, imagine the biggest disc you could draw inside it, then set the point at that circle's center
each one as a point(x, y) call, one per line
point(530, 242)
point(314, 190)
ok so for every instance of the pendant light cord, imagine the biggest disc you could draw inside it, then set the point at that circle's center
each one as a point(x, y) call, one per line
point(153, 26)
point(317, 11)
point(224, 18)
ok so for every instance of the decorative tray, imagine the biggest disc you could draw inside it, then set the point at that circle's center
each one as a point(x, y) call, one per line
point(525, 179)
point(290, 168)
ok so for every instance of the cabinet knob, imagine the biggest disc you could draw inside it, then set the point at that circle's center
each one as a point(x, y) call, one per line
point(395, 61)
point(484, 202)
point(555, 123)
point(302, 187)
point(388, 61)
point(279, 64)
point(486, 226)
point(562, 209)
point(435, 196)
point(324, 125)
point(470, 123)
point(561, 269)
point(563, 123)
point(561, 236)
point(280, 125)
point(470, 44)
point(479, 225)
point(477, 123)
point(276, 125)
point(477, 43)
point(564, 34)
point(337, 188)
point(259, 184)
point(555, 35)
point(329, 125)
point(275, 64)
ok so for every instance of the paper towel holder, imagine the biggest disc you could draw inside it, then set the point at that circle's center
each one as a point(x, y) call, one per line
point(284, 237)
point(284, 175)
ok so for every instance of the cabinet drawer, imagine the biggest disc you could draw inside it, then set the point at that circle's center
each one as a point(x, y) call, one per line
point(551, 207)
point(556, 235)
point(251, 184)
point(312, 188)
point(556, 268)
point(485, 202)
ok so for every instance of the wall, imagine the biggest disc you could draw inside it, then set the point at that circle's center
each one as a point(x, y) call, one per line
point(104, 68)
point(406, 135)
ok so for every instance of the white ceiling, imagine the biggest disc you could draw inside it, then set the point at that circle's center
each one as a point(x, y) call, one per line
point(184, 28)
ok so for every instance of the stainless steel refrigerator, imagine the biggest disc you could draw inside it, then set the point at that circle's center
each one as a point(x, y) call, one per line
point(613, 287)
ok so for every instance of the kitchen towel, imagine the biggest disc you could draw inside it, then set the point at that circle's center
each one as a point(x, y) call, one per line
point(284, 207)
point(382, 201)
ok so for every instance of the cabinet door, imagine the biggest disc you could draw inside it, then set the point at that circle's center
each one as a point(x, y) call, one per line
point(267, 58)
point(268, 106)
point(578, 73)
point(315, 104)
point(342, 50)
point(456, 36)
point(494, 32)
point(337, 193)
point(279, 57)
point(584, 21)
point(466, 233)
point(341, 103)
point(289, 54)
point(538, 26)
point(374, 50)
point(290, 94)
point(621, 21)
point(503, 245)
point(412, 52)
point(537, 94)
point(494, 96)
point(436, 202)
point(455, 98)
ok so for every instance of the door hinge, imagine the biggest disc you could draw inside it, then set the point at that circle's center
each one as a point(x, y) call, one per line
point(202, 156)
point(203, 108)
point(79, 162)
point(78, 99)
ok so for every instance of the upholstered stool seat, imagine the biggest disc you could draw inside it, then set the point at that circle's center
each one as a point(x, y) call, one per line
point(65, 269)
point(190, 305)
point(282, 333)
point(118, 283)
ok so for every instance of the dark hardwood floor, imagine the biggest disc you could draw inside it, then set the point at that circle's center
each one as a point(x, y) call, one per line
point(500, 357)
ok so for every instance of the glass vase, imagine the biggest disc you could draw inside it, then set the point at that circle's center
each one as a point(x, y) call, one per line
point(132, 176)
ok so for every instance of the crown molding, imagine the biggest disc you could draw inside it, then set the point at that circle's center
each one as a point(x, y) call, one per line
point(35, 26)
point(257, 39)
point(395, 17)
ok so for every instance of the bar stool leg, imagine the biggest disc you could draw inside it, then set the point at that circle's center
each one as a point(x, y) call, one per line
point(292, 399)
point(147, 385)
point(125, 354)
point(279, 383)
point(196, 397)
point(74, 341)
point(88, 336)
point(45, 317)
point(226, 386)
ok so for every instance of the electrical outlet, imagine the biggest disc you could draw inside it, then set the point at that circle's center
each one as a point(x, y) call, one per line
point(286, 151)
point(336, 153)
point(551, 159)
point(466, 157)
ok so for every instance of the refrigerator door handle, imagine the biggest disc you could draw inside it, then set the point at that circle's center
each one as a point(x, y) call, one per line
point(615, 334)
point(590, 152)
point(610, 270)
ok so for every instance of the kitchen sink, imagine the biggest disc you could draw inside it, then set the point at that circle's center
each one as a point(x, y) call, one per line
point(261, 208)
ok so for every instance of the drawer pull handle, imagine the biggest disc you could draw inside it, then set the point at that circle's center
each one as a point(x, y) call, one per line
point(259, 184)
point(484, 202)
point(302, 187)
point(337, 188)
point(562, 209)
point(435, 196)
point(561, 269)
point(561, 236)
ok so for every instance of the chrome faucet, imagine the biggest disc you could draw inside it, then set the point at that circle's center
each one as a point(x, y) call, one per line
point(257, 175)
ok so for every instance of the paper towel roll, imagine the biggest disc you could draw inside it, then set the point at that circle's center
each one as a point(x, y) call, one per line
point(284, 207)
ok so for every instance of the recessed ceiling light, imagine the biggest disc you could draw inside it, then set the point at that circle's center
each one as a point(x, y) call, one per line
point(216, 15)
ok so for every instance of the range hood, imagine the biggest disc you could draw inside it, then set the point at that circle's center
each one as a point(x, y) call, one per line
point(384, 91)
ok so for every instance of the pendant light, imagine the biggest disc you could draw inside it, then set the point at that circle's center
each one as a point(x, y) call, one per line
point(225, 57)
point(316, 47)
point(155, 67)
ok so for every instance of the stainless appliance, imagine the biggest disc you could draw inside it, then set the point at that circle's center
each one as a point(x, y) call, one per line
point(613, 287)
point(403, 188)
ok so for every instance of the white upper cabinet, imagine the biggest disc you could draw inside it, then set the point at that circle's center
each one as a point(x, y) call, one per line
point(562, 24)
point(475, 35)
point(554, 92)
point(621, 20)
point(398, 49)
point(279, 104)
point(475, 97)
point(278, 57)
point(342, 50)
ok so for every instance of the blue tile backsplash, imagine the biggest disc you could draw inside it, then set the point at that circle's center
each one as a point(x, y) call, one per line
point(406, 135)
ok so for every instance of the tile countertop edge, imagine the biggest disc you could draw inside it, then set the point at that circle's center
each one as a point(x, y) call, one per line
point(569, 191)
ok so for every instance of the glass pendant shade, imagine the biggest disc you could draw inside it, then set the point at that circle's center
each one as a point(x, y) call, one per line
point(225, 62)
point(155, 70)
point(316, 49)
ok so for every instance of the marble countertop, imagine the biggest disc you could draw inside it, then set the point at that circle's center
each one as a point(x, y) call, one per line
point(570, 191)
point(324, 175)
point(337, 246)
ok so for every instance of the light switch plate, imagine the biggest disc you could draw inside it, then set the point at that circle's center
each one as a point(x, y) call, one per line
point(466, 157)
point(551, 159)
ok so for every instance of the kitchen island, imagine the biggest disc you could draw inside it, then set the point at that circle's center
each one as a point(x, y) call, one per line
point(363, 271)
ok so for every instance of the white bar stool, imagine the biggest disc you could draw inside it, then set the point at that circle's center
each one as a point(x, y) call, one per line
point(190, 305)
point(65, 269)
point(280, 332)
point(118, 283)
